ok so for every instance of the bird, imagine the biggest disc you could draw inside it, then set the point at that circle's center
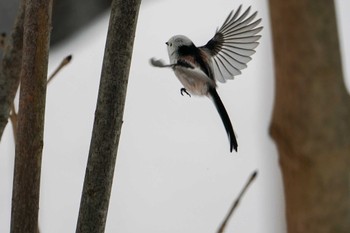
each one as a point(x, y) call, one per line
point(220, 59)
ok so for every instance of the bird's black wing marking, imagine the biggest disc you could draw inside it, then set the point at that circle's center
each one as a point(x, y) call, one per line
point(184, 63)
point(197, 57)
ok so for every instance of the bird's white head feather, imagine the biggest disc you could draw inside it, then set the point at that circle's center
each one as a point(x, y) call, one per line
point(173, 45)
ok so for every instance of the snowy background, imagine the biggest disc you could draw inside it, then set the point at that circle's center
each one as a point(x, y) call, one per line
point(174, 171)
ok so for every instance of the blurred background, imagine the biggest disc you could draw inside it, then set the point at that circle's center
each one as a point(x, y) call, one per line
point(174, 171)
point(68, 17)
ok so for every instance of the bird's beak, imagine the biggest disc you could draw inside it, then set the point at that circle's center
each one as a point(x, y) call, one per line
point(166, 43)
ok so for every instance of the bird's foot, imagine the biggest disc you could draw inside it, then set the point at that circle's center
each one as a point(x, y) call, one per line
point(182, 90)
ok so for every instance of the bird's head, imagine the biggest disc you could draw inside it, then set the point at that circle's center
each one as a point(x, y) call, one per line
point(173, 45)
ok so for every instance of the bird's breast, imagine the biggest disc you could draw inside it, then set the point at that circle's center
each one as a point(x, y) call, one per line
point(194, 80)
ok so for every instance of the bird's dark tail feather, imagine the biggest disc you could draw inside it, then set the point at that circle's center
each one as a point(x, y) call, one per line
point(225, 118)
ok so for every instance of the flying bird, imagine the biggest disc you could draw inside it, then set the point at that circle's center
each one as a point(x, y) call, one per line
point(222, 58)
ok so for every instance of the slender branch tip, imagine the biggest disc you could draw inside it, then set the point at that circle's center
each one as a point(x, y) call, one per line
point(255, 173)
point(68, 58)
point(236, 202)
point(64, 62)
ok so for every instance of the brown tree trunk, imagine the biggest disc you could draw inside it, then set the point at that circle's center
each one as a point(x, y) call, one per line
point(26, 183)
point(108, 116)
point(311, 118)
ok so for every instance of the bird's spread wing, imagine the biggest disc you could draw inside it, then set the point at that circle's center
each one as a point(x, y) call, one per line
point(233, 44)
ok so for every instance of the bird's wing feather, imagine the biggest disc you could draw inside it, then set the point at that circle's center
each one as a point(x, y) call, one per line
point(233, 44)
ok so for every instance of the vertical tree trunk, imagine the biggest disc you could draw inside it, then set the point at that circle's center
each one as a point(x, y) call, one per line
point(26, 184)
point(311, 118)
point(108, 116)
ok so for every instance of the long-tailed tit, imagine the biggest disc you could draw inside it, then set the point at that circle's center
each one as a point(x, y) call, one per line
point(198, 68)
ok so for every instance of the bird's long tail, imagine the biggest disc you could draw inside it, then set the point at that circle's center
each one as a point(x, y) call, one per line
point(225, 118)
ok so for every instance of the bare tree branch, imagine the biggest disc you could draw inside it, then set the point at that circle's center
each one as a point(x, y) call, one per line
point(10, 68)
point(108, 116)
point(26, 183)
point(236, 202)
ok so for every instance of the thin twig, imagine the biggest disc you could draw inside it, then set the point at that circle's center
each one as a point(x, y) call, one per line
point(235, 204)
point(64, 62)
point(14, 115)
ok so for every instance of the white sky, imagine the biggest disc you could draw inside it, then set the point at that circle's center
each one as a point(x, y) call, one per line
point(174, 171)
